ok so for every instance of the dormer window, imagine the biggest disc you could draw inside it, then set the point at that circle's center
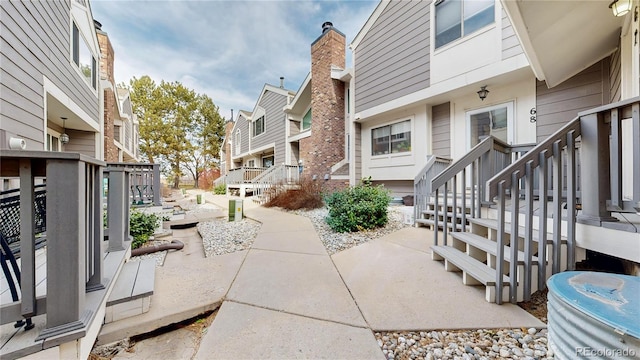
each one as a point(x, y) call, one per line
point(83, 58)
point(458, 18)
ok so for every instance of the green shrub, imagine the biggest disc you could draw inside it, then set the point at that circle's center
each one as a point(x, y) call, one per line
point(141, 227)
point(361, 207)
point(220, 189)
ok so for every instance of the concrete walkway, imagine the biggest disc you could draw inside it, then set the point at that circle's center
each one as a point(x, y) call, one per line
point(286, 298)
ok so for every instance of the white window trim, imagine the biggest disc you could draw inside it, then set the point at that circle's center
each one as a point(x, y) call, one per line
point(51, 132)
point(392, 155)
point(96, 75)
point(238, 141)
point(264, 126)
point(463, 38)
point(304, 113)
point(511, 131)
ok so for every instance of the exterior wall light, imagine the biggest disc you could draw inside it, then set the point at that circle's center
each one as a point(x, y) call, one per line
point(620, 7)
point(64, 138)
point(482, 93)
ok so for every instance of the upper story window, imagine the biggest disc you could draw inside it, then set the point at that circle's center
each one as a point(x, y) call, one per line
point(83, 57)
point(306, 121)
point(258, 126)
point(391, 139)
point(237, 141)
point(459, 18)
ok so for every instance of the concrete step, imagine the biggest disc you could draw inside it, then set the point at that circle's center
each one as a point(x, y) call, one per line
point(131, 294)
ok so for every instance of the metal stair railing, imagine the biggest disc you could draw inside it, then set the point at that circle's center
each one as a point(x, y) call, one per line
point(422, 182)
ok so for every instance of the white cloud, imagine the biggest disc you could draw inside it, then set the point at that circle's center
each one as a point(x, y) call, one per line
point(225, 49)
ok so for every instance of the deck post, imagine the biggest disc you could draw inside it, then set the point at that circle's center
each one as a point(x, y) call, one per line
point(118, 207)
point(594, 159)
point(157, 201)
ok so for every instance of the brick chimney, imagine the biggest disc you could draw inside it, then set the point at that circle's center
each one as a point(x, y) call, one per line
point(325, 147)
point(106, 72)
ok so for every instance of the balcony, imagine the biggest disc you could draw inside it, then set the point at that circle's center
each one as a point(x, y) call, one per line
point(63, 286)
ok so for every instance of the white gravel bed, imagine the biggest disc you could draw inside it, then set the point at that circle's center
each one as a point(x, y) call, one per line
point(223, 237)
point(465, 344)
point(158, 256)
point(335, 242)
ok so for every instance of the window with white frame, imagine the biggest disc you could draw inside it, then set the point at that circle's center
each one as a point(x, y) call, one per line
point(306, 120)
point(391, 139)
point(458, 18)
point(83, 57)
point(53, 141)
point(258, 126)
point(251, 163)
point(237, 142)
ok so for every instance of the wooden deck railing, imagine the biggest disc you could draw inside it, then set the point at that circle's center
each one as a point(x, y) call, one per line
point(422, 183)
point(243, 175)
point(74, 230)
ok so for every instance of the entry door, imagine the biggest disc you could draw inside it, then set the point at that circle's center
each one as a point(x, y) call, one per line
point(494, 120)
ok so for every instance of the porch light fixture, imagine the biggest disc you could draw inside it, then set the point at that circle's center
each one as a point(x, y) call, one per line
point(64, 138)
point(620, 7)
point(482, 93)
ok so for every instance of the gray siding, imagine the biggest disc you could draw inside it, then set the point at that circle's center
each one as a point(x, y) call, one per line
point(441, 129)
point(559, 105)
point(82, 142)
point(274, 122)
point(35, 41)
point(358, 150)
point(393, 60)
point(510, 43)
point(243, 125)
point(615, 77)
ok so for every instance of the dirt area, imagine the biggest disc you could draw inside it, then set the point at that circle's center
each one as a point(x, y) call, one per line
point(537, 306)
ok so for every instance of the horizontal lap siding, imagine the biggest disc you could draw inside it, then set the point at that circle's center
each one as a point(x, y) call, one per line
point(510, 43)
point(82, 142)
point(561, 104)
point(392, 60)
point(35, 41)
point(441, 130)
point(614, 77)
point(272, 103)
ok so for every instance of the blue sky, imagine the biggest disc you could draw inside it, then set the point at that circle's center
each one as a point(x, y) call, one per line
point(225, 49)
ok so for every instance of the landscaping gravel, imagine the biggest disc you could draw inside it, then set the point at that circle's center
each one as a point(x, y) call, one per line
point(223, 237)
point(465, 344)
point(336, 242)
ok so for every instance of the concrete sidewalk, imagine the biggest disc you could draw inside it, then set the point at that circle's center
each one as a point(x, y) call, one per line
point(287, 298)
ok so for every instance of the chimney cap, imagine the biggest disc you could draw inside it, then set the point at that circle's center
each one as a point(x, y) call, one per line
point(326, 26)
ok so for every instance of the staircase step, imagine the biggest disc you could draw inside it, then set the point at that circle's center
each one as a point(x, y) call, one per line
point(136, 280)
point(430, 222)
point(474, 268)
point(488, 246)
point(493, 224)
point(440, 213)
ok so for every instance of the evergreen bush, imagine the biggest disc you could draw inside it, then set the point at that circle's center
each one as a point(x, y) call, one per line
point(358, 208)
point(141, 227)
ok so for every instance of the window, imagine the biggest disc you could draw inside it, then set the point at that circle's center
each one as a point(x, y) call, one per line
point(306, 121)
point(391, 139)
point(237, 141)
point(251, 163)
point(53, 141)
point(83, 57)
point(258, 126)
point(267, 161)
point(458, 18)
point(491, 121)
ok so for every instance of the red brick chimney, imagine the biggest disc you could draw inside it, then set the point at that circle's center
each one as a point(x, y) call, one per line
point(106, 72)
point(325, 147)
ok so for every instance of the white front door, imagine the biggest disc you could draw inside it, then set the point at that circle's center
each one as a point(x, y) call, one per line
point(494, 120)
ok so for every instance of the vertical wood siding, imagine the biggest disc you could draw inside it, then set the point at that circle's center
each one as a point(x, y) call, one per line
point(392, 60)
point(274, 120)
point(510, 43)
point(35, 41)
point(441, 129)
point(560, 104)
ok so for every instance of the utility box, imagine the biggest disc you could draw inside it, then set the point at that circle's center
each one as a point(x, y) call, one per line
point(235, 210)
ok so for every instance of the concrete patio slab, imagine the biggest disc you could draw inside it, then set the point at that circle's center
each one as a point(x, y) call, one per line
point(246, 332)
point(302, 284)
point(412, 237)
point(399, 288)
point(304, 242)
point(186, 286)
